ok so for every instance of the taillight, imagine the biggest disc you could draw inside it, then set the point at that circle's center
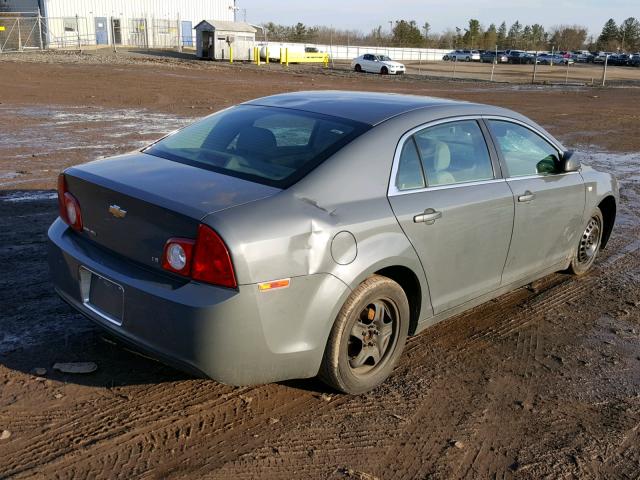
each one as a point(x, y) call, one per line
point(206, 260)
point(68, 206)
point(177, 256)
point(211, 261)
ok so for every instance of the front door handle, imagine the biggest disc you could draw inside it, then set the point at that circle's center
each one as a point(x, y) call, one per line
point(429, 217)
point(527, 197)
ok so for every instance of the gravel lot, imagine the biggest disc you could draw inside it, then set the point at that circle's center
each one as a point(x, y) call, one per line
point(543, 382)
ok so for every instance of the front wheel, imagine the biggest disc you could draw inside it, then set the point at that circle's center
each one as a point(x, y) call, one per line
point(588, 245)
point(384, 71)
point(367, 337)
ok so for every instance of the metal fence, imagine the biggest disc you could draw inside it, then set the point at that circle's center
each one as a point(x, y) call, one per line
point(28, 31)
point(19, 33)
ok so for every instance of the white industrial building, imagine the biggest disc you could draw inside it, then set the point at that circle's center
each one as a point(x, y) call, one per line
point(142, 23)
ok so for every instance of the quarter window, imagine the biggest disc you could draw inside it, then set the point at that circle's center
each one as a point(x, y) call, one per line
point(454, 152)
point(524, 152)
point(410, 174)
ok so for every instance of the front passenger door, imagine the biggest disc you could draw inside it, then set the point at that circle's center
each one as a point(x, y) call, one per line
point(549, 204)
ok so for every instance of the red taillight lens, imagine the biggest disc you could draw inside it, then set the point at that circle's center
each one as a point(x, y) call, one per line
point(206, 259)
point(68, 206)
point(177, 256)
point(211, 260)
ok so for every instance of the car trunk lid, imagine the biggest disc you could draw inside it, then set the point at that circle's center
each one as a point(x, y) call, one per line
point(132, 204)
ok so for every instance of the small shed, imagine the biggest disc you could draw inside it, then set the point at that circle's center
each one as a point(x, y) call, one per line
point(215, 38)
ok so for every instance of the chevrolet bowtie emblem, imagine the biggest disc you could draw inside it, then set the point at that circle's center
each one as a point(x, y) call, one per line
point(117, 212)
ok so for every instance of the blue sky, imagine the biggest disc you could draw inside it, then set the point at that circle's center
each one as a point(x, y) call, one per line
point(364, 15)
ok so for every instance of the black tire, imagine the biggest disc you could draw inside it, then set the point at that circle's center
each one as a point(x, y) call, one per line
point(373, 322)
point(468, 59)
point(384, 71)
point(358, 68)
point(588, 244)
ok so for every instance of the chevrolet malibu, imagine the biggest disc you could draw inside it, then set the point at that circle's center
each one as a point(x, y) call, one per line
point(311, 233)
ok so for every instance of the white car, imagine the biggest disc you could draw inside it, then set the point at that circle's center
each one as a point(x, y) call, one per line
point(374, 63)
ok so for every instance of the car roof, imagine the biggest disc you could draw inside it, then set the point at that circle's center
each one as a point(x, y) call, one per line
point(371, 108)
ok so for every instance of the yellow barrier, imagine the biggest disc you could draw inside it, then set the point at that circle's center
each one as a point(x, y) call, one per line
point(295, 57)
point(230, 54)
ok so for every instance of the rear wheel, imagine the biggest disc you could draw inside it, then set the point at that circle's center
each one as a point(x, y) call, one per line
point(358, 68)
point(384, 71)
point(367, 337)
point(588, 245)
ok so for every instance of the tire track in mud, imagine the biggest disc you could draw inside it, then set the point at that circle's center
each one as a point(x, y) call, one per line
point(215, 427)
point(113, 418)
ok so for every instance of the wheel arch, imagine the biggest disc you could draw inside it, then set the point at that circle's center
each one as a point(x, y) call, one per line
point(608, 208)
point(408, 281)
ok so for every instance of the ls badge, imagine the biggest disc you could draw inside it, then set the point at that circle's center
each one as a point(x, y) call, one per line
point(117, 212)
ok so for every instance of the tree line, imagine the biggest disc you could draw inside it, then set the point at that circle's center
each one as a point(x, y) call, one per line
point(407, 33)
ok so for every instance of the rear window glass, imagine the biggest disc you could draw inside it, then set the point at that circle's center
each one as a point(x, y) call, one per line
point(268, 145)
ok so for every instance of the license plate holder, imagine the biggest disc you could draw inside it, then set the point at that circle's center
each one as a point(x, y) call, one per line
point(102, 296)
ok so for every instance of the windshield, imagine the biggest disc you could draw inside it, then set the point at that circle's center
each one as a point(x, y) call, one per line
point(383, 58)
point(273, 146)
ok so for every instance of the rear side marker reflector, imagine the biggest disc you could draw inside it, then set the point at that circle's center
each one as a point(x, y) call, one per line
point(284, 283)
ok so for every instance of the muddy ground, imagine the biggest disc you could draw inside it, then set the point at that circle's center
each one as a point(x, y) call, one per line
point(541, 383)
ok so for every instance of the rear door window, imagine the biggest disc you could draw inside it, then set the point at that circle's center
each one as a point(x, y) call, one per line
point(454, 152)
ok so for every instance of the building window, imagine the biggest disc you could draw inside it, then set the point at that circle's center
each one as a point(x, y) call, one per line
point(137, 25)
point(163, 27)
point(70, 24)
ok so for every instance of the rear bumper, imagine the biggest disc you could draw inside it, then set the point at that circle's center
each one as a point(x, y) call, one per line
point(238, 337)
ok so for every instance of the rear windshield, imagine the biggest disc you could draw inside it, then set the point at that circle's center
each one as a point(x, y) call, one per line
point(268, 145)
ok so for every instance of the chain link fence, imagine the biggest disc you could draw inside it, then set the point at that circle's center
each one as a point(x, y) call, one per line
point(23, 32)
point(19, 33)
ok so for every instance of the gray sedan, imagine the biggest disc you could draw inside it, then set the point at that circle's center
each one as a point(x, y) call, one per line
point(310, 233)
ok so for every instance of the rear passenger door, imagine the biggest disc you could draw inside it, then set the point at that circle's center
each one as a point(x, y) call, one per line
point(549, 204)
point(448, 195)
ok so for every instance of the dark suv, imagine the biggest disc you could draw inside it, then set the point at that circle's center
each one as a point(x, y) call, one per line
point(519, 57)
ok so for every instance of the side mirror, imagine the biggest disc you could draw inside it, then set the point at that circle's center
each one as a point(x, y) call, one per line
point(569, 162)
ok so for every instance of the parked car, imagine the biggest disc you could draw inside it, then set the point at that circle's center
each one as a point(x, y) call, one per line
point(490, 56)
point(635, 60)
point(554, 59)
point(582, 56)
point(619, 59)
point(601, 56)
point(463, 56)
point(374, 63)
point(519, 57)
point(310, 233)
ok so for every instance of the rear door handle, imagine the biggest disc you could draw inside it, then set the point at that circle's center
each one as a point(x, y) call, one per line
point(527, 197)
point(429, 217)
